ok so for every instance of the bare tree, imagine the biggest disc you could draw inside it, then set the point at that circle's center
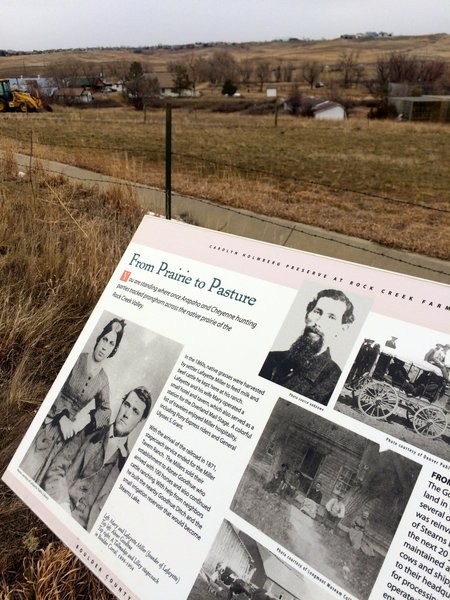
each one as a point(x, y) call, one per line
point(311, 72)
point(358, 73)
point(399, 67)
point(180, 75)
point(262, 73)
point(64, 71)
point(195, 68)
point(432, 71)
point(278, 73)
point(287, 71)
point(294, 101)
point(139, 86)
point(383, 74)
point(403, 68)
point(222, 65)
point(246, 69)
point(118, 69)
point(91, 69)
point(74, 69)
point(352, 70)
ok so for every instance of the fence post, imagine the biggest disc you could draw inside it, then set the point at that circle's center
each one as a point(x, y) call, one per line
point(276, 112)
point(31, 155)
point(168, 161)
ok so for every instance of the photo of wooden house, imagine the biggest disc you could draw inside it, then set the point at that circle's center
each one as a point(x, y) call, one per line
point(303, 460)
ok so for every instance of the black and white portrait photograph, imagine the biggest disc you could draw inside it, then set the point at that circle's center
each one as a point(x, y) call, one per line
point(315, 341)
point(331, 497)
point(238, 567)
point(86, 436)
point(399, 383)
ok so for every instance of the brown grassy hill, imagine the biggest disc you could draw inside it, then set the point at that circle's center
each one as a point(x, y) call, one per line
point(296, 51)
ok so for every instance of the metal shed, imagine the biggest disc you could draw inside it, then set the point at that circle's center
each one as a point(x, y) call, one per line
point(423, 108)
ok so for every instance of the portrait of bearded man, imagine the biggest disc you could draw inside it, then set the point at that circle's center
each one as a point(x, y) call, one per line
point(307, 367)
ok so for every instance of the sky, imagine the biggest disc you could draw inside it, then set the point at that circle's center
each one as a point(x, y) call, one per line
point(50, 24)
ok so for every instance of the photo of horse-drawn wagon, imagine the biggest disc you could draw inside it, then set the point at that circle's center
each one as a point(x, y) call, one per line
point(396, 383)
point(401, 390)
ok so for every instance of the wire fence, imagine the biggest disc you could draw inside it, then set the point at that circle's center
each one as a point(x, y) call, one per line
point(289, 228)
point(157, 155)
point(297, 179)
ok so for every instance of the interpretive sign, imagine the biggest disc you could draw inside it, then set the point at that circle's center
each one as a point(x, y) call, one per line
point(239, 419)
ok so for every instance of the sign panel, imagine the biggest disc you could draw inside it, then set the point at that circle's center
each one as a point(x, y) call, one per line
point(241, 418)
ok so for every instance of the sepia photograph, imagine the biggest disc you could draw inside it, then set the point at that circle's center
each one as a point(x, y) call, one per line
point(315, 340)
point(331, 497)
point(238, 567)
point(399, 383)
point(86, 436)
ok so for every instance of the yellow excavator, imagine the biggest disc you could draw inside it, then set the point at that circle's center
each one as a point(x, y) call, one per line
point(15, 101)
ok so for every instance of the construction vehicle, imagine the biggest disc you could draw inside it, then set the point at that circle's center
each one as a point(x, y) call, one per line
point(16, 101)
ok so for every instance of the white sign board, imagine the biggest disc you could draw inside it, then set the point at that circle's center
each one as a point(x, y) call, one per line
point(238, 417)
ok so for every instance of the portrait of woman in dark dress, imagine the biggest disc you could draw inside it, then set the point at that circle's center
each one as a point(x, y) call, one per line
point(87, 382)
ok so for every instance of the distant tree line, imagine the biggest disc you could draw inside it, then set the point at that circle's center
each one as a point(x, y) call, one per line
point(221, 65)
point(222, 70)
point(407, 69)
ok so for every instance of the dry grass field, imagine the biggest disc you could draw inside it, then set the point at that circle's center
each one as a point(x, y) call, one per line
point(55, 260)
point(383, 181)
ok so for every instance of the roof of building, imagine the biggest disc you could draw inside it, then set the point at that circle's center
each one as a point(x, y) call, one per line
point(164, 77)
point(286, 577)
point(86, 81)
point(326, 105)
point(74, 91)
point(422, 98)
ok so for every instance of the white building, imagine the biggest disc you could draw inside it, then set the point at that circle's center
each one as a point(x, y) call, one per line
point(329, 111)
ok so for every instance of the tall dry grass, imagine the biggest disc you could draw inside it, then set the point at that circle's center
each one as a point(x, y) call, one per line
point(386, 182)
point(59, 244)
point(54, 573)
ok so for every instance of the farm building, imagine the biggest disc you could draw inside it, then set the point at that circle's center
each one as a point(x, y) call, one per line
point(250, 561)
point(228, 548)
point(422, 108)
point(93, 84)
point(72, 96)
point(31, 84)
point(280, 581)
point(167, 86)
point(347, 464)
point(321, 109)
point(329, 111)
